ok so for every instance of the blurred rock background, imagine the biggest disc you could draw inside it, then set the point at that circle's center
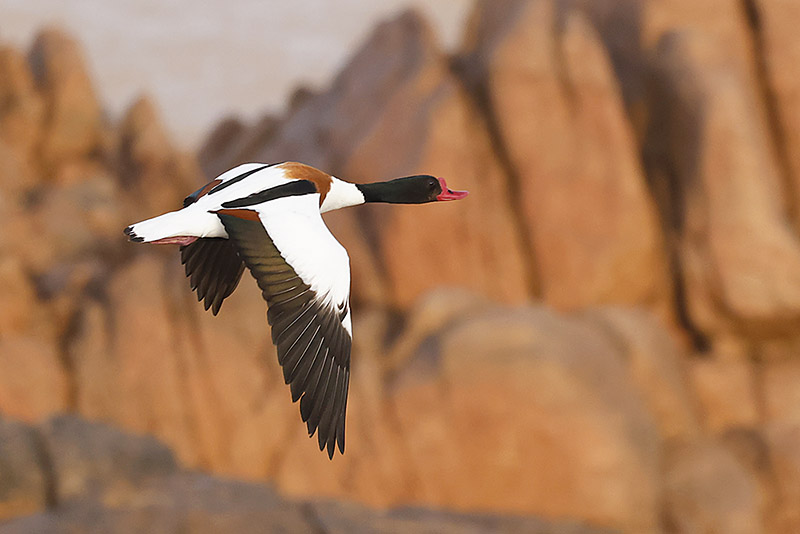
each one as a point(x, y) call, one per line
point(603, 338)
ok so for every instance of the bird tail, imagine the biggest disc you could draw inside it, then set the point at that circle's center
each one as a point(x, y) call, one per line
point(173, 227)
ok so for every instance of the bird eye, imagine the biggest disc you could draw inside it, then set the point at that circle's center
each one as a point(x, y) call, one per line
point(432, 184)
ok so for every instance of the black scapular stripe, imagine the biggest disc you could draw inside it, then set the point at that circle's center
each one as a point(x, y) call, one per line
point(191, 199)
point(239, 178)
point(292, 189)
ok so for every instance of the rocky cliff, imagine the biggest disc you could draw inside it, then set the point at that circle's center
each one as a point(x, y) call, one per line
point(71, 476)
point(607, 330)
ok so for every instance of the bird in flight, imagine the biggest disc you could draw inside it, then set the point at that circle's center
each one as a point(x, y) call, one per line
point(268, 218)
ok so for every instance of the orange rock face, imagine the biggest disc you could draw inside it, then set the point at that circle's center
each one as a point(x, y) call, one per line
point(739, 254)
point(152, 170)
point(73, 121)
point(423, 247)
point(517, 395)
point(583, 199)
point(780, 51)
point(22, 105)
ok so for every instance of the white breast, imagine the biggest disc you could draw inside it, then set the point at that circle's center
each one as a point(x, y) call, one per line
point(341, 195)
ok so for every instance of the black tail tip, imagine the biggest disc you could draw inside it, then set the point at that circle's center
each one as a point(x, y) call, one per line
point(131, 235)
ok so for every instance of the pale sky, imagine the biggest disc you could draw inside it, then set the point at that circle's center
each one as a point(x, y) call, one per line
point(202, 60)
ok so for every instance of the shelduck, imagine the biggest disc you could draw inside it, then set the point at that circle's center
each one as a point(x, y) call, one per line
point(268, 218)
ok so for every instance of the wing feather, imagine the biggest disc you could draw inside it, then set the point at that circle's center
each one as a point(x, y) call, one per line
point(310, 332)
point(214, 269)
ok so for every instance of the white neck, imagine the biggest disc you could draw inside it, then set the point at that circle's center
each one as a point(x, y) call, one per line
point(341, 195)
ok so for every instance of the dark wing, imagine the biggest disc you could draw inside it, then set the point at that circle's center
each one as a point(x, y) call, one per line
point(214, 269)
point(212, 265)
point(308, 330)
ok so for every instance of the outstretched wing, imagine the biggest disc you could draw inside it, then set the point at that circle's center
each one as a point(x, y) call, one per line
point(304, 275)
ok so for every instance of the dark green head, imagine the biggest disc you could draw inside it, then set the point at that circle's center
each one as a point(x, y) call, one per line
point(418, 189)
